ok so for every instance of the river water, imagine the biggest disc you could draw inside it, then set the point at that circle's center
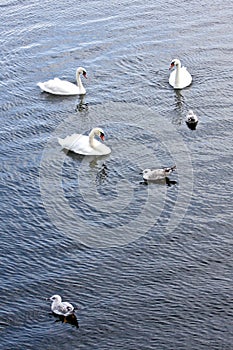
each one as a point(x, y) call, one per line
point(147, 266)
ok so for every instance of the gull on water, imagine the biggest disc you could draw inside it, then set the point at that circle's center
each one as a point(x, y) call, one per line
point(59, 307)
point(191, 117)
point(157, 174)
point(191, 120)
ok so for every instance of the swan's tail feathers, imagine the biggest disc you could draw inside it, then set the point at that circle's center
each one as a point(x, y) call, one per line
point(40, 85)
point(69, 141)
point(62, 142)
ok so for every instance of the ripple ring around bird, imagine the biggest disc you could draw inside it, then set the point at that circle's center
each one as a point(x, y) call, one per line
point(99, 235)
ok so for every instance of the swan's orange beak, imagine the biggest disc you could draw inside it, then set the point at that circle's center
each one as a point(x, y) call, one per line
point(85, 75)
point(171, 66)
point(102, 136)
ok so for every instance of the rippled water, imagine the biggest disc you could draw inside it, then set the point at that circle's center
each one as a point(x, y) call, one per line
point(149, 267)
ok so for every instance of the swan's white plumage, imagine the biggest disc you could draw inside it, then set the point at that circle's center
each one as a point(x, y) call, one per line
point(59, 307)
point(85, 145)
point(157, 174)
point(57, 86)
point(179, 77)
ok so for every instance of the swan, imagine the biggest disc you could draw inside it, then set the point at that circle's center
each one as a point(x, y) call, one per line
point(86, 145)
point(179, 77)
point(191, 120)
point(157, 174)
point(57, 86)
point(59, 307)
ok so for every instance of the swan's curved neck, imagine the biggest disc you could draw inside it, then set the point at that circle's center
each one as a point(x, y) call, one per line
point(91, 137)
point(79, 81)
point(177, 76)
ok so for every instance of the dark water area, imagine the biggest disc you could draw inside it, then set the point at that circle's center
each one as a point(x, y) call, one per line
point(147, 266)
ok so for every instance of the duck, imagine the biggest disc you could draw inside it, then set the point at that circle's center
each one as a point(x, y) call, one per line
point(86, 145)
point(157, 174)
point(191, 120)
point(57, 86)
point(59, 307)
point(179, 77)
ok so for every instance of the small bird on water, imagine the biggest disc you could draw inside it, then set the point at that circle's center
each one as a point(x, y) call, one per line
point(157, 174)
point(191, 120)
point(59, 307)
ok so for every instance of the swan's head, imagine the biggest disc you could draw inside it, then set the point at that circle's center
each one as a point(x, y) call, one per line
point(98, 132)
point(82, 71)
point(55, 297)
point(175, 63)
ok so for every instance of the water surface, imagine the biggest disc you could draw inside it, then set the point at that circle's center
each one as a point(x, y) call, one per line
point(143, 279)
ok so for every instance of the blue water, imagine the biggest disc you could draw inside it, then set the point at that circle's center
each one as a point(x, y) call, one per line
point(148, 267)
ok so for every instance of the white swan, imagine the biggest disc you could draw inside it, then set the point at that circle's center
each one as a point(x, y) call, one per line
point(86, 145)
point(157, 174)
point(59, 307)
point(57, 86)
point(179, 77)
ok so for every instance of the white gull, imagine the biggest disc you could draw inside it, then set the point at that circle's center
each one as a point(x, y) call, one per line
point(59, 307)
point(157, 174)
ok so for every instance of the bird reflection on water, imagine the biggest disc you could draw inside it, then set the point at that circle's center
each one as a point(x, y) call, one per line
point(165, 181)
point(102, 174)
point(81, 107)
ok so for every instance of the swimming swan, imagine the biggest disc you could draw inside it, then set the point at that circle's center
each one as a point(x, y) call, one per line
point(86, 145)
point(57, 86)
point(157, 174)
point(179, 77)
point(59, 307)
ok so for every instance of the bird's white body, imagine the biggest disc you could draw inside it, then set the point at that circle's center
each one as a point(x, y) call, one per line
point(59, 307)
point(157, 174)
point(191, 117)
point(57, 86)
point(86, 145)
point(179, 77)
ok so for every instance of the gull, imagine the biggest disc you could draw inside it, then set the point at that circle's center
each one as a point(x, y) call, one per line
point(191, 120)
point(157, 174)
point(59, 307)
